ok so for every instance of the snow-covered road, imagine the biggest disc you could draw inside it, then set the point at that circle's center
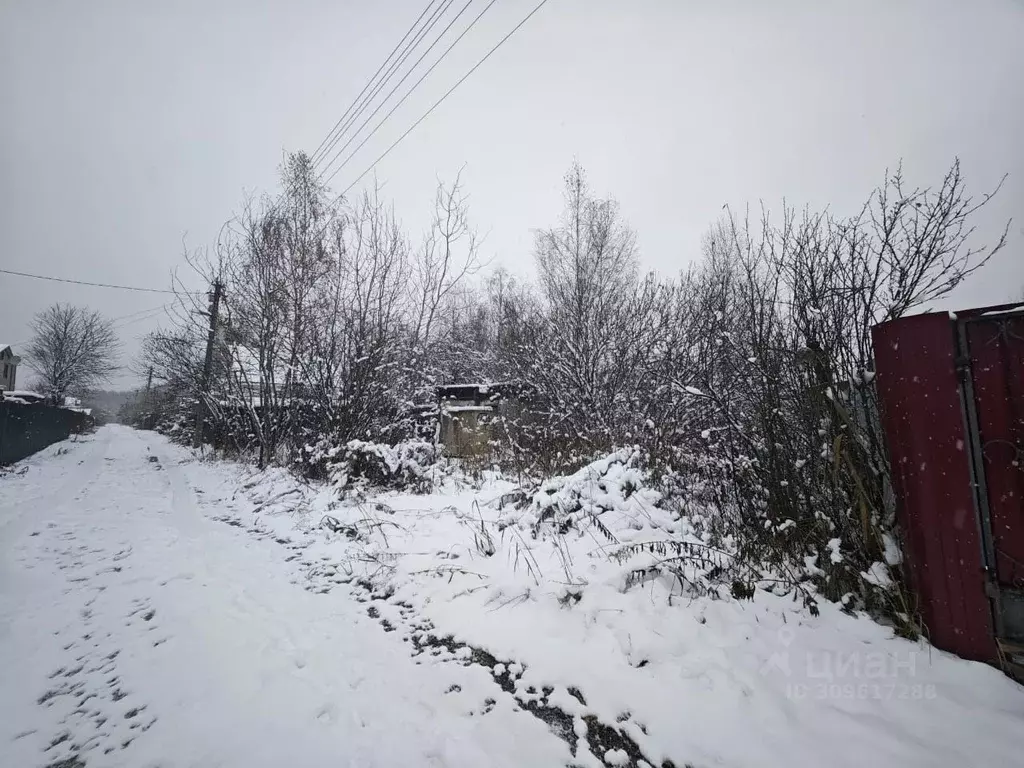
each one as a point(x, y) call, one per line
point(137, 630)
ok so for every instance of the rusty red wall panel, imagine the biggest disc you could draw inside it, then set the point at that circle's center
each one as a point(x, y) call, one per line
point(926, 437)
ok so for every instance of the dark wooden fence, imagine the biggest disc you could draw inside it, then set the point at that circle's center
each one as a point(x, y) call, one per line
point(26, 429)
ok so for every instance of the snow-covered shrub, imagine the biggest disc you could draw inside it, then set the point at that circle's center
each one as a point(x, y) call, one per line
point(612, 484)
point(795, 510)
point(410, 466)
point(615, 501)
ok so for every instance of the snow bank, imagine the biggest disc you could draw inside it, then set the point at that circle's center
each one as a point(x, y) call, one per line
point(546, 583)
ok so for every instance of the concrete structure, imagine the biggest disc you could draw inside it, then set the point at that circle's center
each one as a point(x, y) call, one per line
point(467, 414)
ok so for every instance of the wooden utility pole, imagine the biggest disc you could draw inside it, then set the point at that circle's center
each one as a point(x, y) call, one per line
point(149, 379)
point(204, 382)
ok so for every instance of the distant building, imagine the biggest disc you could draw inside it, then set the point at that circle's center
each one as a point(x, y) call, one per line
point(467, 414)
point(249, 378)
point(75, 404)
point(8, 367)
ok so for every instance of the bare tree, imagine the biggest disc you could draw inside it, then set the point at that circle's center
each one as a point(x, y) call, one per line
point(780, 353)
point(72, 349)
point(358, 340)
point(588, 268)
point(332, 326)
point(449, 254)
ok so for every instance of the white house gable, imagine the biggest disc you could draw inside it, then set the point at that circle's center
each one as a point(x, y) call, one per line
point(8, 367)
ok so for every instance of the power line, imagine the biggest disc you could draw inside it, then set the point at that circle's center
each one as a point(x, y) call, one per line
point(320, 150)
point(410, 91)
point(388, 75)
point(391, 73)
point(138, 317)
point(370, 81)
point(84, 282)
point(438, 103)
point(359, 104)
point(140, 312)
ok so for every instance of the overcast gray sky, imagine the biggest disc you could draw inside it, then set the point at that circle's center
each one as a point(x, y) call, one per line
point(127, 125)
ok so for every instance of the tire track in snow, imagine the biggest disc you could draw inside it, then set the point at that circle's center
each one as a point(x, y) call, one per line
point(187, 517)
point(586, 735)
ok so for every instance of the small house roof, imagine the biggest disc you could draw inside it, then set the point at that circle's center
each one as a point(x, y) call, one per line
point(482, 394)
point(25, 393)
point(478, 392)
point(467, 409)
point(22, 396)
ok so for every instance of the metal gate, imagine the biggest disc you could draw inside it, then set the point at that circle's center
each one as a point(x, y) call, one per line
point(951, 390)
point(990, 364)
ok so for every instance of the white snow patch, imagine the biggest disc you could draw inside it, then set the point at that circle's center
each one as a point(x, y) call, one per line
point(877, 574)
point(616, 757)
point(893, 554)
point(835, 555)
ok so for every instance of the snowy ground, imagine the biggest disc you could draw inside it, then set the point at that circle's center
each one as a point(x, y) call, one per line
point(135, 630)
point(157, 610)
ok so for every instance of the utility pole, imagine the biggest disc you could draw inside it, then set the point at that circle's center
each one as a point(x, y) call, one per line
point(149, 379)
point(204, 382)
